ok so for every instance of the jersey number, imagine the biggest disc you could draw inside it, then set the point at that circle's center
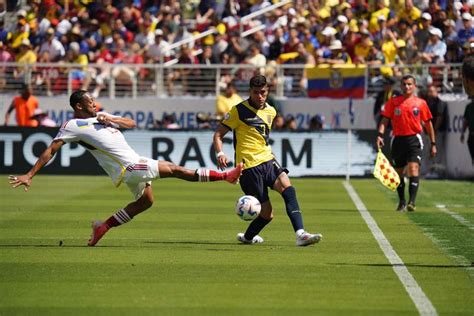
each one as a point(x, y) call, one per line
point(264, 131)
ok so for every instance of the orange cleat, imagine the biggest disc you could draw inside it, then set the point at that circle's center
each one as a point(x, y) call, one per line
point(98, 231)
point(232, 176)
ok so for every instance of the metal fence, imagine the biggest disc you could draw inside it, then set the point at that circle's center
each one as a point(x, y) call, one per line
point(132, 80)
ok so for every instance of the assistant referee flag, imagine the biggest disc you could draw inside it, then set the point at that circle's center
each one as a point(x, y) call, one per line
point(384, 171)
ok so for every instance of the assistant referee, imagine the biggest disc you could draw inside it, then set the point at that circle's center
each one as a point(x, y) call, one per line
point(407, 112)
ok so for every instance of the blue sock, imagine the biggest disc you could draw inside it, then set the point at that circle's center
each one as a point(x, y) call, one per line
point(292, 208)
point(255, 227)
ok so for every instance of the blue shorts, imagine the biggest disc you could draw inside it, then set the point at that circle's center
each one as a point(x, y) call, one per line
point(256, 180)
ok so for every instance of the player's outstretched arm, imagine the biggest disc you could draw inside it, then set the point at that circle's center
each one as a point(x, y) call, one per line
point(16, 181)
point(120, 122)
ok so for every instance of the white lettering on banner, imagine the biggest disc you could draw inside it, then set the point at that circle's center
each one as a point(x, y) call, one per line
point(60, 116)
point(305, 154)
point(9, 139)
point(29, 144)
point(67, 153)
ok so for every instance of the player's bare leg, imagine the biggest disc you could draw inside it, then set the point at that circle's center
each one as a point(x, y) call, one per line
point(283, 186)
point(99, 229)
point(402, 204)
point(170, 170)
point(251, 234)
point(413, 170)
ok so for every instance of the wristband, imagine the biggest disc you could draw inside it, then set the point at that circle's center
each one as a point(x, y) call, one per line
point(380, 135)
point(433, 143)
point(221, 153)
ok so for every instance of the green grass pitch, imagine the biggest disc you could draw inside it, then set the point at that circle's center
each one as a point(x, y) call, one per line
point(181, 257)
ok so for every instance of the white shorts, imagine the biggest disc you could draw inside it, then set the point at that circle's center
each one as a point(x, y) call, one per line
point(138, 175)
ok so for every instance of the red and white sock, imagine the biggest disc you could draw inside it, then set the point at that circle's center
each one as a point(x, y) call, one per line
point(119, 218)
point(206, 175)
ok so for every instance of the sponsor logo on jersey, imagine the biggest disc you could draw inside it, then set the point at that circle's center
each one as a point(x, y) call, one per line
point(82, 123)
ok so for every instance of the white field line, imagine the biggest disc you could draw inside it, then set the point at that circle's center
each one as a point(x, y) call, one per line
point(419, 298)
point(456, 216)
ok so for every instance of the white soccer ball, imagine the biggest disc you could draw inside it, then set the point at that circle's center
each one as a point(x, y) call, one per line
point(247, 208)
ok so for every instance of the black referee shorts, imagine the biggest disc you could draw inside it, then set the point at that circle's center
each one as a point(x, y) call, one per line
point(470, 145)
point(406, 149)
point(256, 180)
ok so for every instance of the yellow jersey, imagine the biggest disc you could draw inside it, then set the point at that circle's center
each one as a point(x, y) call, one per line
point(251, 128)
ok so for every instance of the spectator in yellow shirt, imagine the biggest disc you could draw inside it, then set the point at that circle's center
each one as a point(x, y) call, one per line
point(410, 13)
point(26, 56)
point(362, 49)
point(227, 100)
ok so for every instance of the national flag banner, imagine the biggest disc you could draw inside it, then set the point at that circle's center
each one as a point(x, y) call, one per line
point(337, 81)
point(384, 171)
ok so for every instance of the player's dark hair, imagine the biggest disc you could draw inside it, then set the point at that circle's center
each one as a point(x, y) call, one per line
point(258, 81)
point(409, 76)
point(76, 97)
point(468, 67)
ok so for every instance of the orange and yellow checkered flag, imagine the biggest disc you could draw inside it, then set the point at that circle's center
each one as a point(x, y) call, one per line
point(384, 171)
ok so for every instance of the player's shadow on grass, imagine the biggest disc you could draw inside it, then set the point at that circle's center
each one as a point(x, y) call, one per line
point(45, 246)
point(413, 265)
point(185, 242)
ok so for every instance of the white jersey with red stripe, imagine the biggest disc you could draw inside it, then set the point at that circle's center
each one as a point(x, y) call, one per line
point(105, 142)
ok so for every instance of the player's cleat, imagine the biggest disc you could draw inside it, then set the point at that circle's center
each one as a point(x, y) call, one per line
point(401, 206)
point(411, 207)
point(98, 231)
point(255, 240)
point(306, 239)
point(232, 176)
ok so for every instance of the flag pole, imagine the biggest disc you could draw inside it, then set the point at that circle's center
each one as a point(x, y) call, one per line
point(349, 140)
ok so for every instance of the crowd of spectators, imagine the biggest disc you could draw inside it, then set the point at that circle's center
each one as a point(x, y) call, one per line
point(380, 32)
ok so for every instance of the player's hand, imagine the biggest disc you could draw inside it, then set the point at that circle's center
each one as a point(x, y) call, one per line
point(434, 151)
point(16, 181)
point(380, 142)
point(103, 119)
point(222, 162)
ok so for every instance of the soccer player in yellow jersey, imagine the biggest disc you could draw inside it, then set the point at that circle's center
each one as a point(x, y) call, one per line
point(251, 121)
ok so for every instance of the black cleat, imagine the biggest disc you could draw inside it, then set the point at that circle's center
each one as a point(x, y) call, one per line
point(401, 206)
point(411, 207)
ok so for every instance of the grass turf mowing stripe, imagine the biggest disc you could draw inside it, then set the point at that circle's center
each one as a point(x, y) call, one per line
point(419, 298)
point(455, 215)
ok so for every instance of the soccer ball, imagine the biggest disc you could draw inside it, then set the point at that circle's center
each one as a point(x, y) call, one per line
point(247, 208)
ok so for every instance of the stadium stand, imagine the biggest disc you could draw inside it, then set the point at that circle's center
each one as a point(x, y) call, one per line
point(192, 47)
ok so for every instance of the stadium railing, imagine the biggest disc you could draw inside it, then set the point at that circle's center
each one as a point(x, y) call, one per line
point(133, 80)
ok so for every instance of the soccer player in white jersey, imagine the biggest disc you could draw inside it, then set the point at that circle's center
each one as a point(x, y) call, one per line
point(99, 133)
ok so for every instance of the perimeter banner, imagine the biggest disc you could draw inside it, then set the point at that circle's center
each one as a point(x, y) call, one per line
point(304, 154)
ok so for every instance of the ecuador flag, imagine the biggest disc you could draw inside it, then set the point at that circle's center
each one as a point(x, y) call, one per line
point(337, 82)
point(384, 171)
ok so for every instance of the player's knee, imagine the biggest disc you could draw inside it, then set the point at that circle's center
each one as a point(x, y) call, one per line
point(148, 202)
point(266, 214)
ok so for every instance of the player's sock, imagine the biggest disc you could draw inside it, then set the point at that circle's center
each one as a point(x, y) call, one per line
point(119, 218)
point(206, 175)
point(401, 189)
point(413, 189)
point(292, 208)
point(255, 227)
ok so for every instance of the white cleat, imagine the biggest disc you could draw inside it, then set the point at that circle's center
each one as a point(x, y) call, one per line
point(255, 240)
point(306, 239)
